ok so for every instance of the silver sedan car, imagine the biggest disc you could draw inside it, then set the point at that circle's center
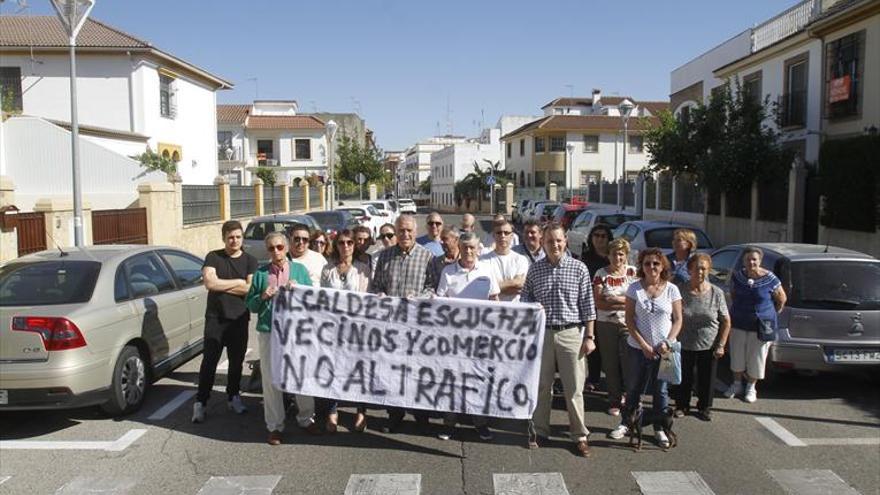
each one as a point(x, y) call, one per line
point(96, 325)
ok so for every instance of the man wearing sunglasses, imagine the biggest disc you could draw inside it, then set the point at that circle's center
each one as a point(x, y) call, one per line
point(268, 280)
point(509, 267)
point(431, 239)
point(300, 252)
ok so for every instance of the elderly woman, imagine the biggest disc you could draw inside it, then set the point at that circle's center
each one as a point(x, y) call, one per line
point(345, 272)
point(704, 331)
point(756, 294)
point(609, 286)
point(653, 319)
point(595, 257)
point(684, 244)
point(320, 243)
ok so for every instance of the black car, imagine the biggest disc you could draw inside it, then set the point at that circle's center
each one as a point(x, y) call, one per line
point(335, 221)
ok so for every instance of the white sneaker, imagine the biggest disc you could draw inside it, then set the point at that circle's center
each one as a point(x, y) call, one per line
point(662, 439)
point(751, 393)
point(198, 412)
point(619, 432)
point(234, 404)
point(735, 388)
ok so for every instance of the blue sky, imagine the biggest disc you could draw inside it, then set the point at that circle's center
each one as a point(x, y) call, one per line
point(401, 61)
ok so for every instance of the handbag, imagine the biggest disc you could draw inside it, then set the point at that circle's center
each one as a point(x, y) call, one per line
point(670, 365)
point(766, 332)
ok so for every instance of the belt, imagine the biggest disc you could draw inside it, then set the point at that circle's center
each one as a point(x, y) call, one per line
point(564, 326)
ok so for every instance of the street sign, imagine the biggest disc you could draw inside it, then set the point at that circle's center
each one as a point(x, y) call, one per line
point(361, 178)
point(490, 180)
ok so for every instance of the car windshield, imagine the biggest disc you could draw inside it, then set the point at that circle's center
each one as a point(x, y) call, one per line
point(835, 284)
point(48, 282)
point(378, 206)
point(662, 238)
point(327, 218)
point(616, 219)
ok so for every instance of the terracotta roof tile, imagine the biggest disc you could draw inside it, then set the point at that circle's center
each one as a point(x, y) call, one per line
point(284, 122)
point(47, 31)
point(579, 123)
point(232, 114)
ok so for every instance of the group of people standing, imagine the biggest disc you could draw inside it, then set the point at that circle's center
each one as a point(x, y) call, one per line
point(633, 314)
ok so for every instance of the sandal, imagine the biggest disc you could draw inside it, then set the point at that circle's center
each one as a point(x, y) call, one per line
point(360, 423)
point(331, 426)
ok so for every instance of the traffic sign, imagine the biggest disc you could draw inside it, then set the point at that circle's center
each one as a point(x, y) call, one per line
point(490, 180)
point(361, 178)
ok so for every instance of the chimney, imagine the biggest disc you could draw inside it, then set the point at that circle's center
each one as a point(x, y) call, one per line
point(597, 95)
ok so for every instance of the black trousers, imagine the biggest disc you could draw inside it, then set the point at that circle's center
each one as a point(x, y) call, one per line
point(220, 333)
point(706, 366)
point(594, 365)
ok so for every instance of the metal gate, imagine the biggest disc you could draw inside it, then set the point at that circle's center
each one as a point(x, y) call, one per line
point(31, 232)
point(127, 226)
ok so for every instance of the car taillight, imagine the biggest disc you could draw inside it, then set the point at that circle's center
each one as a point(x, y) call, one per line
point(58, 334)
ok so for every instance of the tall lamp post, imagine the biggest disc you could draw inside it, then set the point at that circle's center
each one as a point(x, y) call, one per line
point(331, 128)
point(570, 148)
point(73, 14)
point(625, 107)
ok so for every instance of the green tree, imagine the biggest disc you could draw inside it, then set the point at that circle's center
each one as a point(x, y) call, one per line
point(474, 186)
point(352, 159)
point(151, 160)
point(267, 175)
point(425, 186)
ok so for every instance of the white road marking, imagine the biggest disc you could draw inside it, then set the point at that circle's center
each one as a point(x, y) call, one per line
point(529, 483)
point(225, 364)
point(84, 485)
point(811, 482)
point(671, 483)
point(842, 441)
point(4, 479)
point(240, 485)
point(382, 484)
point(172, 405)
point(113, 446)
point(781, 433)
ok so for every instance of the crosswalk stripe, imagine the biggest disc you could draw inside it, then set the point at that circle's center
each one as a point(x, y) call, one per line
point(671, 483)
point(4, 479)
point(239, 485)
point(381, 484)
point(225, 364)
point(781, 433)
point(518, 483)
point(83, 485)
point(172, 405)
point(811, 482)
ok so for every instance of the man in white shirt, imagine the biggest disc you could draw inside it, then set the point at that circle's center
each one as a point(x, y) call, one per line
point(510, 268)
point(300, 253)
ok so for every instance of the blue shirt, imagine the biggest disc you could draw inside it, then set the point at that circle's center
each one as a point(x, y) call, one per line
point(751, 301)
point(430, 244)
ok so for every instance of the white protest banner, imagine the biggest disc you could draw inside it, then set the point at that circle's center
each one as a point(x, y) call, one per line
point(466, 356)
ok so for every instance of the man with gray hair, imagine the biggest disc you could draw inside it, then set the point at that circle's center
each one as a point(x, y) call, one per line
point(449, 237)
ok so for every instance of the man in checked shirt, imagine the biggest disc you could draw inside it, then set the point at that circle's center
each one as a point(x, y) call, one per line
point(561, 284)
point(400, 272)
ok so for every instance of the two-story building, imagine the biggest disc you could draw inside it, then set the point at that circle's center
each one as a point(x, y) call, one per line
point(417, 164)
point(270, 133)
point(579, 141)
point(130, 96)
point(454, 162)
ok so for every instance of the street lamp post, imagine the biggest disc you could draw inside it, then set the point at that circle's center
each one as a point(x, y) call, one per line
point(570, 148)
point(331, 128)
point(73, 14)
point(626, 108)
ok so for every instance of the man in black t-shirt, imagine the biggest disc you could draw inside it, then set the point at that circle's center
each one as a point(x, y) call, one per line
point(227, 274)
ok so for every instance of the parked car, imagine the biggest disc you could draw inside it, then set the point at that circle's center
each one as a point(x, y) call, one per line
point(566, 213)
point(543, 212)
point(642, 234)
point(384, 207)
point(407, 205)
point(365, 217)
point(95, 325)
point(589, 218)
point(258, 228)
point(517, 210)
point(831, 320)
point(333, 222)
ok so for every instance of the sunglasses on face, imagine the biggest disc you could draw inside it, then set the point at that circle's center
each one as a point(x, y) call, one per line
point(319, 243)
point(387, 235)
point(299, 239)
point(346, 242)
point(435, 224)
point(277, 247)
point(652, 263)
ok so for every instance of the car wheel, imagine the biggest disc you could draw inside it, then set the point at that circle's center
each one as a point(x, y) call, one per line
point(129, 385)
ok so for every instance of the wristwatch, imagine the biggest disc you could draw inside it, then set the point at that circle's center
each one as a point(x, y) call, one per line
point(589, 337)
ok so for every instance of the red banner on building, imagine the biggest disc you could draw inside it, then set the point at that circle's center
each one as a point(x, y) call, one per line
point(839, 90)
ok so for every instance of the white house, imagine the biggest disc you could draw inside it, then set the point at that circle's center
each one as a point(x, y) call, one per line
point(131, 95)
point(269, 133)
point(455, 161)
point(417, 162)
point(579, 141)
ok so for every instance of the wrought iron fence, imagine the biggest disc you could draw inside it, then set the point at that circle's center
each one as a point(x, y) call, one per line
point(314, 199)
point(629, 194)
point(242, 201)
point(651, 193)
point(689, 196)
point(609, 193)
point(594, 193)
point(739, 203)
point(773, 200)
point(297, 199)
point(200, 204)
point(665, 185)
point(273, 200)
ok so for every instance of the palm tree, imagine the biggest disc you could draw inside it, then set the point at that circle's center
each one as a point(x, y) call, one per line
point(474, 184)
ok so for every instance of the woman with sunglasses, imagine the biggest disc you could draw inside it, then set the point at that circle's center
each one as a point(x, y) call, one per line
point(387, 238)
point(345, 272)
point(320, 243)
point(653, 320)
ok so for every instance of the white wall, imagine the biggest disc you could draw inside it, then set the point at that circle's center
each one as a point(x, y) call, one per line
point(459, 158)
point(36, 155)
point(701, 67)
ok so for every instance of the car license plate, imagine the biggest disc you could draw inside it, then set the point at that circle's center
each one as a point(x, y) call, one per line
point(4, 397)
point(855, 356)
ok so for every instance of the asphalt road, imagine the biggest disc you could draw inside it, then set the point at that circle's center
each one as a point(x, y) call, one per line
point(805, 434)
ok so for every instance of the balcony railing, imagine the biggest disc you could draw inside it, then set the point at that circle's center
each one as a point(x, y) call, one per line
point(783, 25)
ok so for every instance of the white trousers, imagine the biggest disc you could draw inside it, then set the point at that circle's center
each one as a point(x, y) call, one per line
point(273, 399)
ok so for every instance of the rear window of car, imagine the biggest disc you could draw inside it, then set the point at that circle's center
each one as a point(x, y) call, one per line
point(328, 218)
point(46, 283)
point(834, 284)
point(615, 220)
point(662, 238)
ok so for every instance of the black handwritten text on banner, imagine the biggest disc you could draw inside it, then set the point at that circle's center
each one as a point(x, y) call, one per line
point(473, 357)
